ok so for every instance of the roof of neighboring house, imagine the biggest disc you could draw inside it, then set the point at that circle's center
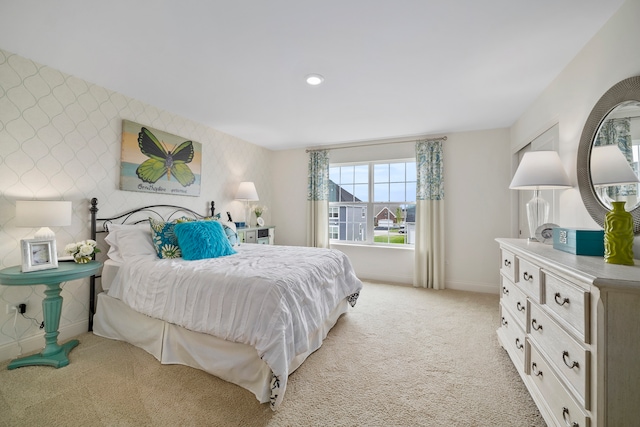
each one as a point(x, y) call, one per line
point(389, 213)
point(344, 194)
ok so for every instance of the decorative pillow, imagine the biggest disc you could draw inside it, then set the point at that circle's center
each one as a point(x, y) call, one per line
point(202, 239)
point(164, 239)
point(128, 240)
point(231, 234)
point(229, 229)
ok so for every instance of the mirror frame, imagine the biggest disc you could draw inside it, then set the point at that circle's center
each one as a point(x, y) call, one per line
point(626, 90)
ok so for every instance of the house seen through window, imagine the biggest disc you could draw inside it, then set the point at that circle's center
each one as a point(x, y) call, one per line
point(373, 202)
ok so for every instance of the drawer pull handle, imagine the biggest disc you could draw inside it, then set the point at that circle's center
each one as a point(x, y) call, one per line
point(535, 370)
point(507, 263)
point(519, 346)
point(564, 300)
point(527, 277)
point(535, 325)
point(565, 412)
point(505, 290)
point(520, 307)
point(504, 322)
point(573, 364)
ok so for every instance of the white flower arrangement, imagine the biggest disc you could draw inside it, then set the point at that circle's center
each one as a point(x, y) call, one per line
point(258, 210)
point(82, 251)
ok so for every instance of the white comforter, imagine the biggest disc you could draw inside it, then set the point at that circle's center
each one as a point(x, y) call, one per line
point(270, 297)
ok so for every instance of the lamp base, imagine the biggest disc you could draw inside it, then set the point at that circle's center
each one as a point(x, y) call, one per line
point(537, 214)
point(618, 235)
point(44, 233)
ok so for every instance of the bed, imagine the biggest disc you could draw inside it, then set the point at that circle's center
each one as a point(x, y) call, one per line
point(250, 317)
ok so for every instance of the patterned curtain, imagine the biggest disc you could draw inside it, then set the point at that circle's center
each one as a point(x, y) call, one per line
point(429, 243)
point(618, 131)
point(318, 200)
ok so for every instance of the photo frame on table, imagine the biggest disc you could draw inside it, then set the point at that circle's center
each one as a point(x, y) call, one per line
point(38, 254)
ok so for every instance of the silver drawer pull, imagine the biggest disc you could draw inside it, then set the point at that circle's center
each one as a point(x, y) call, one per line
point(520, 307)
point(565, 412)
point(507, 263)
point(564, 300)
point(519, 346)
point(535, 325)
point(505, 290)
point(573, 364)
point(527, 277)
point(535, 370)
point(504, 322)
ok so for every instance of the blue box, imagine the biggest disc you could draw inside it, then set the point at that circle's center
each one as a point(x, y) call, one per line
point(579, 241)
point(240, 224)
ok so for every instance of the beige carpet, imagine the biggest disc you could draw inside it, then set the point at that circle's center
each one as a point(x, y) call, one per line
point(401, 357)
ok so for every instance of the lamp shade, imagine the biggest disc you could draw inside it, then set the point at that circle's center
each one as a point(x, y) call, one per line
point(610, 167)
point(540, 170)
point(44, 214)
point(247, 191)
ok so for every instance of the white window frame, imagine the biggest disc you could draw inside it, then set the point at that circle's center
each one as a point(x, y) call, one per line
point(369, 205)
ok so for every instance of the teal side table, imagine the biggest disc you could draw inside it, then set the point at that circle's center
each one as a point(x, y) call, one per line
point(53, 354)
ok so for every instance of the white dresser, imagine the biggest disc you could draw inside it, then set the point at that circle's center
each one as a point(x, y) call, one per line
point(571, 325)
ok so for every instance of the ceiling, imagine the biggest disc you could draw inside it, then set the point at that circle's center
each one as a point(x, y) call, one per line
point(392, 69)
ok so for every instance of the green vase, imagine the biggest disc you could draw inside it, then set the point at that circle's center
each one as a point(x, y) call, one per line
point(618, 235)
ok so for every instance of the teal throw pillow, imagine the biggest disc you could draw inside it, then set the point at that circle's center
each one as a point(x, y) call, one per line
point(202, 239)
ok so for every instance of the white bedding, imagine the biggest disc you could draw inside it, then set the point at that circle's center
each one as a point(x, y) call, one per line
point(269, 297)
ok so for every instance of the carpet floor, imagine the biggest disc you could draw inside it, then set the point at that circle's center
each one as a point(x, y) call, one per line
point(402, 357)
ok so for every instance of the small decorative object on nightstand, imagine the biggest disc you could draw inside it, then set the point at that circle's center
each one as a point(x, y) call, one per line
point(53, 354)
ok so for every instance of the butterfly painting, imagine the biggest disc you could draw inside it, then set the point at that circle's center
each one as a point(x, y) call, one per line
point(163, 162)
point(158, 162)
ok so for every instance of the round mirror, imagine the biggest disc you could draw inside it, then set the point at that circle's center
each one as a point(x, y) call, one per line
point(609, 153)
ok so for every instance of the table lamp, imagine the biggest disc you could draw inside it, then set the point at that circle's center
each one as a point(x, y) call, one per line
point(43, 214)
point(539, 170)
point(610, 168)
point(248, 193)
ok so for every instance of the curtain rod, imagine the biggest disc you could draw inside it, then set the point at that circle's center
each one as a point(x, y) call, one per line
point(339, 147)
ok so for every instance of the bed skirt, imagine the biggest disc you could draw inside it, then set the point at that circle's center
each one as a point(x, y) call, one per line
point(236, 363)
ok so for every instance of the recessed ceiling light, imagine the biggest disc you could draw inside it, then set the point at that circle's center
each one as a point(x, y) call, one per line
point(314, 79)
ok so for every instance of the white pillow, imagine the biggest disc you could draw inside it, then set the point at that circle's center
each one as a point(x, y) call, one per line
point(126, 241)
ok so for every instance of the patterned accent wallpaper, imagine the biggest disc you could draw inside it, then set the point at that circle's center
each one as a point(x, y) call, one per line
point(60, 140)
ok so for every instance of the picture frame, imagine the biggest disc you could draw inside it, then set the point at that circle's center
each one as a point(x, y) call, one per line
point(155, 161)
point(38, 254)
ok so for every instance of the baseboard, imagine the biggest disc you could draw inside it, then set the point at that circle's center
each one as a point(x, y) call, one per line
point(485, 288)
point(35, 343)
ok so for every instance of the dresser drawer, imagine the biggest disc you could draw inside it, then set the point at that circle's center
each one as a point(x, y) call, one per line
point(515, 300)
point(570, 303)
point(529, 279)
point(508, 265)
point(515, 338)
point(565, 410)
point(569, 358)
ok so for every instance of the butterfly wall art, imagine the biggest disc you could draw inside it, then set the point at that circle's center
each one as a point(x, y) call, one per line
point(155, 161)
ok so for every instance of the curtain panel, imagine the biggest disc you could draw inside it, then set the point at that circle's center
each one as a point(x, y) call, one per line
point(429, 242)
point(318, 200)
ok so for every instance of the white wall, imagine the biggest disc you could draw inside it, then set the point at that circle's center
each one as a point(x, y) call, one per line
point(611, 56)
point(60, 139)
point(477, 176)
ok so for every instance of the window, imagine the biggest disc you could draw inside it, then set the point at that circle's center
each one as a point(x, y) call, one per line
point(373, 202)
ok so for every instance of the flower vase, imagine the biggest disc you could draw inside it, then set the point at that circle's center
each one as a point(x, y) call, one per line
point(618, 235)
point(82, 259)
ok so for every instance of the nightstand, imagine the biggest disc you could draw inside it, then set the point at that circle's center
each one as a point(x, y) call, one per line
point(262, 235)
point(53, 354)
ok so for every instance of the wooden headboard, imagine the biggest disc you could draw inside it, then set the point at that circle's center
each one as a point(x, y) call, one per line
point(133, 216)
